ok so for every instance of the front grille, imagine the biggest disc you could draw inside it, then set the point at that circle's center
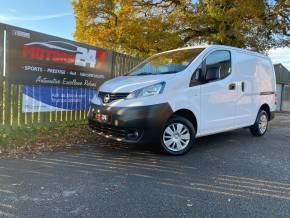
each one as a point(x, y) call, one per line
point(108, 97)
point(108, 130)
point(117, 133)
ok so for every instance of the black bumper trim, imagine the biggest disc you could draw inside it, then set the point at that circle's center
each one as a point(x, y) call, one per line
point(148, 121)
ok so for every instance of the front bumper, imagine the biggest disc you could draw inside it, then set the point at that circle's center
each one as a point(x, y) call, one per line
point(130, 124)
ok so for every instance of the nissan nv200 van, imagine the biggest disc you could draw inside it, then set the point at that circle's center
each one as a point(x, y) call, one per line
point(179, 95)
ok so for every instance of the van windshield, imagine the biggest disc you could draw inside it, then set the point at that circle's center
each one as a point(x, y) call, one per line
point(170, 62)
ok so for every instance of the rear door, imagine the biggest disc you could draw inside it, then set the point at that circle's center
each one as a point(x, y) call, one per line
point(218, 93)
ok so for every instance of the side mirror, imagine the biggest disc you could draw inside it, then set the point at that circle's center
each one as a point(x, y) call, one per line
point(212, 73)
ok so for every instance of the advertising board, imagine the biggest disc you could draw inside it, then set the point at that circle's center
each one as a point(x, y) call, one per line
point(38, 59)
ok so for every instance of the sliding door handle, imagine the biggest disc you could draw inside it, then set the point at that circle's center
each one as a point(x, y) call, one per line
point(243, 86)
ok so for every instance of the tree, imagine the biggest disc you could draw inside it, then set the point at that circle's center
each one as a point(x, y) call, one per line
point(145, 27)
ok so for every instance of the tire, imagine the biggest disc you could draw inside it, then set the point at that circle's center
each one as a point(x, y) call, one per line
point(177, 136)
point(260, 126)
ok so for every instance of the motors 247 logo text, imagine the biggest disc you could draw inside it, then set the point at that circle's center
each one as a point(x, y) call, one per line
point(59, 52)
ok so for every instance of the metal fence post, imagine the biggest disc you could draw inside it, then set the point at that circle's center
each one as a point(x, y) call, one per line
point(1, 74)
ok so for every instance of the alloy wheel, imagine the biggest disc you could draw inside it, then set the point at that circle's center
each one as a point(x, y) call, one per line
point(176, 137)
point(263, 123)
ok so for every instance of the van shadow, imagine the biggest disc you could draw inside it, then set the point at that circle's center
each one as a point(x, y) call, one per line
point(217, 141)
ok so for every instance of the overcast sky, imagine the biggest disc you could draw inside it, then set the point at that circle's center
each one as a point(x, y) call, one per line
point(56, 17)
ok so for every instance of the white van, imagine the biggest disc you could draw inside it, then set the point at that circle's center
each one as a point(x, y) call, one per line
point(179, 95)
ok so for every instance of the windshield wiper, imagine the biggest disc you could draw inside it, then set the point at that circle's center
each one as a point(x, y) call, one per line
point(169, 72)
point(144, 74)
point(148, 73)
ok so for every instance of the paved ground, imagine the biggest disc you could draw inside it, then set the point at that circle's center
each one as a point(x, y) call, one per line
point(227, 175)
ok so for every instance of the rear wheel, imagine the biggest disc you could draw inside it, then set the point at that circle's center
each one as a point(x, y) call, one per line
point(178, 136)
point(260, 126)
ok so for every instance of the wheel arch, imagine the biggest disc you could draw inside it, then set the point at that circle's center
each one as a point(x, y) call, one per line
point(266, 108)
point(188, 114)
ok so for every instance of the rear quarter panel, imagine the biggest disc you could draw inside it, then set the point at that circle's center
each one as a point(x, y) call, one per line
point(266, 82)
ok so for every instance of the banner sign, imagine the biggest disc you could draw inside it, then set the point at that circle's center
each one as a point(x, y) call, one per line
point(44, 99)
point(38, 59)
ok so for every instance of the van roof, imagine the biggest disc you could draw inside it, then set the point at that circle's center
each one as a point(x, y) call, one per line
point(225, 47)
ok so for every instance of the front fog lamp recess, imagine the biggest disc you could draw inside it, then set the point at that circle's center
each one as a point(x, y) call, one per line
point(133, 135)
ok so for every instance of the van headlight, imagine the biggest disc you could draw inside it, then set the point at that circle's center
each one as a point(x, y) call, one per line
point(148, 91)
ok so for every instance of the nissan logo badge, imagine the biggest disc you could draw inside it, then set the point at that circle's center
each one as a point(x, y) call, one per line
point(106, 98)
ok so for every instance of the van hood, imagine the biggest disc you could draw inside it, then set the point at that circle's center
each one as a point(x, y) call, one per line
point(132, 83)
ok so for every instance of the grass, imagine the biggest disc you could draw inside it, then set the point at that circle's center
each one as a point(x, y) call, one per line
point(17, 142)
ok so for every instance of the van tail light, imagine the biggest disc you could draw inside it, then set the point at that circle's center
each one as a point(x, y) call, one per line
point(276, 98)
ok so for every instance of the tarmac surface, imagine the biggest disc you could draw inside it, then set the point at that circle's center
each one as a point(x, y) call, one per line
point(231, 174)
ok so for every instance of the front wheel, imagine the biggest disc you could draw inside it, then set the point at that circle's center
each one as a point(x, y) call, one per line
point(178, 136)
point(260, 126)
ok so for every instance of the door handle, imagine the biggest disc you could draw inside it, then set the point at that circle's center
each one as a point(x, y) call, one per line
point(243, 86)
point(232, 86)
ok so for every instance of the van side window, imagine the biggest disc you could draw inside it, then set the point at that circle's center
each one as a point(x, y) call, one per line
point(218, 65)
point(196, 76)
